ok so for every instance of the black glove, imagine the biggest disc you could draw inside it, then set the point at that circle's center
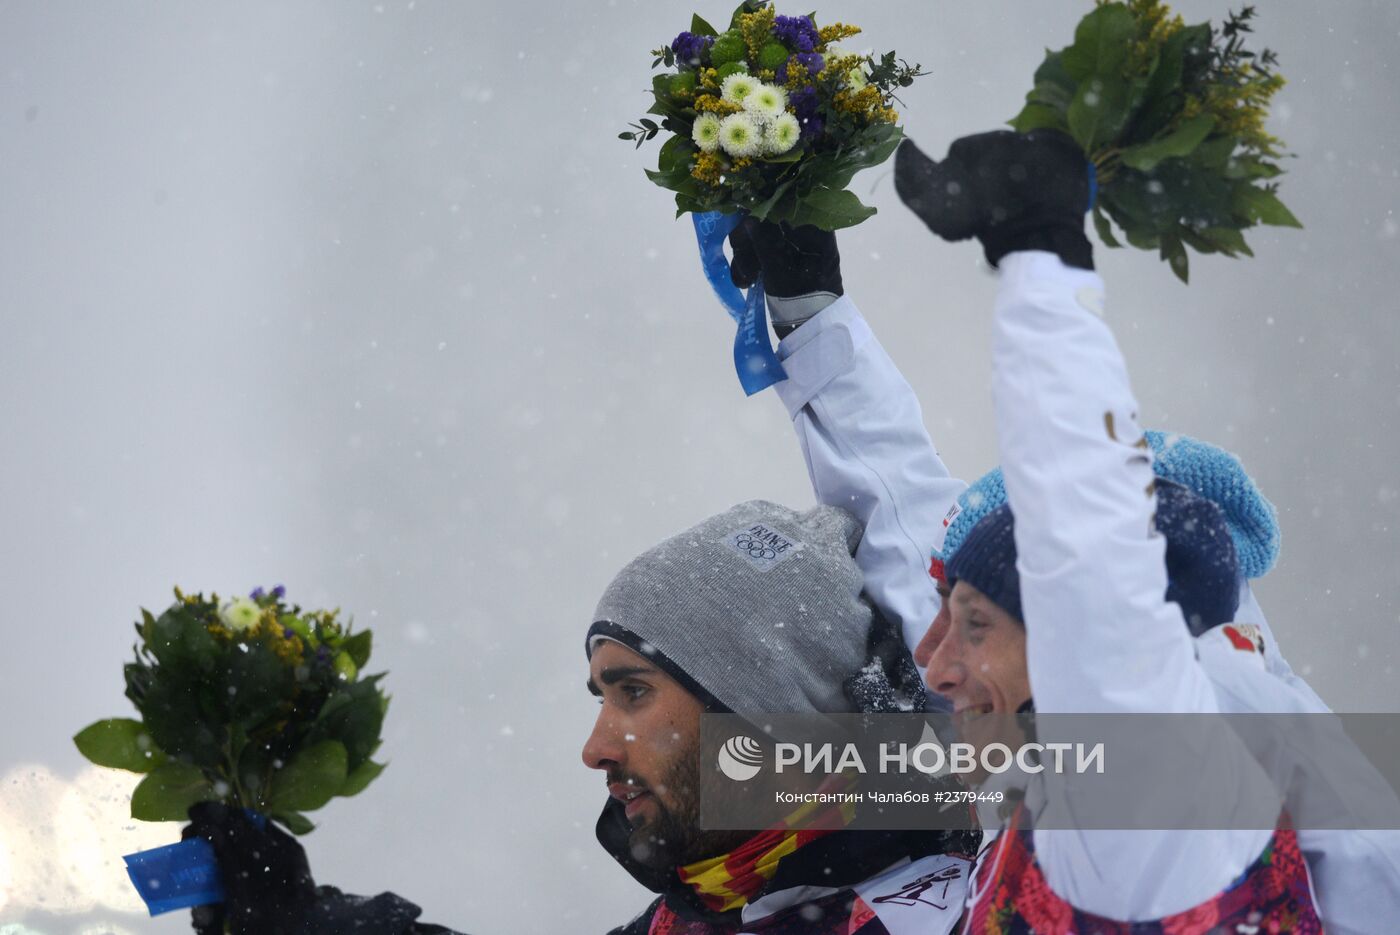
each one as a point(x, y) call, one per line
point(267, 882)
point(801, 268)
point(1012, 191)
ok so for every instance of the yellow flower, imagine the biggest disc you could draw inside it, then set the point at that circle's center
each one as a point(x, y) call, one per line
point(707, 104)
point(757, 29)
point(865, 101)
point(835, 33)
point(709, 168)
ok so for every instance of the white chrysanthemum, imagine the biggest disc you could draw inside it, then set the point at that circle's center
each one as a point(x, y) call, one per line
point(239, 614)
point(741, 135)
point(856, 78)
point(705, 132)
point(737, 87)
point(766, 101)
point(782, 134)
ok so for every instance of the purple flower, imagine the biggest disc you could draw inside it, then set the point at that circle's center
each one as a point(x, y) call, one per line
point(257, 594)
point(812, 60)
point(805, 106)
point(689, 48)
point(279, 592)
point(804, 102)
point(796, 32)
point(288, 632)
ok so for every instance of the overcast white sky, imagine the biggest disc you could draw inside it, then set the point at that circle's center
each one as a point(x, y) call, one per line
point(367, 298)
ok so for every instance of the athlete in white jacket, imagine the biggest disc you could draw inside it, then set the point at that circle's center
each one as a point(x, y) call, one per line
point(866, 449)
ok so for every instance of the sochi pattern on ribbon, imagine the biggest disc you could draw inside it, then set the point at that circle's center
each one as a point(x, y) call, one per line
point(754, 360)
point(179, 876)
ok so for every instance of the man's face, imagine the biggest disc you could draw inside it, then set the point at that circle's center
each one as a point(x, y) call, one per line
point(978, 660)
point(647, 741)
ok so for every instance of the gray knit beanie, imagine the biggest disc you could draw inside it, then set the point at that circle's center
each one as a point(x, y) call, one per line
point(758, 609)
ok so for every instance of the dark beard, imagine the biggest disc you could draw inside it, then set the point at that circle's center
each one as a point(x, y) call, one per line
point(674, 838)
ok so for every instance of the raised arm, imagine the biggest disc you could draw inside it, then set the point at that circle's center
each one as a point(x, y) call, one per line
point(1101, 636)
point(857, 420)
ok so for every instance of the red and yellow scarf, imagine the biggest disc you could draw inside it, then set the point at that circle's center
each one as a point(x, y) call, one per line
point(730, 880)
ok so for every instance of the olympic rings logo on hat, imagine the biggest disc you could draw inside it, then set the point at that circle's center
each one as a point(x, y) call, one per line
point(762, 546)
point(756, 549)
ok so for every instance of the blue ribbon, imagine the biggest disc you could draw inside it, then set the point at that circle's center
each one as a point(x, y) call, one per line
point(1093, 186)
point(754, 360)
point(179, 876)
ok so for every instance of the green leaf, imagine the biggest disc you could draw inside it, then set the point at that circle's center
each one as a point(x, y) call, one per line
point(1249, 167)
point(1226, 240)
point(1174, 252)
point(764, 209)
point(834, 171)
point(1196, 54)
point(748, 6)
point(1167, 77)
point(179, 637)
point(1262, 206)
point(1098, 112)
point(1142, 238)
point(119, 743)
point(700, 27)
point(1181, 142)
point(1037, 116)
point(1051, 95)
point(1052, 72)
point(1198, 243)
point(830, 210)
point(1101, 43)
point(677, 149)
point(296, 822)
point(358, 647)
point(356, 782)
point(353, 717)
point(147, 626)
point(1214, 154)
point(1105, 229)
point(792, 155)
point(168, 791)
point(254, 685)
point(315, 774)
point(177, 719)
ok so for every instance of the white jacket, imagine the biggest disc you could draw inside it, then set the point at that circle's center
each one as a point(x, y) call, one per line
point(862, 435)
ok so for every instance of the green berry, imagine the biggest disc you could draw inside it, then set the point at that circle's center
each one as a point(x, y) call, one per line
point(772, 56)
point(728, 48)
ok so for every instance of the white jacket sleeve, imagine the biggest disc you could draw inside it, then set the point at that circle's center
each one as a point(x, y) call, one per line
point(862, 435)
point(1100, 636)
point(1250, 612)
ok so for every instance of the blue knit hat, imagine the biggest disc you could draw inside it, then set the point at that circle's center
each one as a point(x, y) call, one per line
point(1202, 568)
point(987, 561)
point(1212, 472)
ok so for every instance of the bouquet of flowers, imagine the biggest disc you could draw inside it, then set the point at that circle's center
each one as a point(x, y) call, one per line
point(770, 117)
point(252, 702)
point(1172, 118)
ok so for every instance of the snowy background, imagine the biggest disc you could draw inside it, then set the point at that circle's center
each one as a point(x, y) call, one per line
point(368, 299)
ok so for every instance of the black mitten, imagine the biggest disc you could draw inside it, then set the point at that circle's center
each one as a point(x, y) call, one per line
point(801, 268)
point(1012, 191)
point(267, 882)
